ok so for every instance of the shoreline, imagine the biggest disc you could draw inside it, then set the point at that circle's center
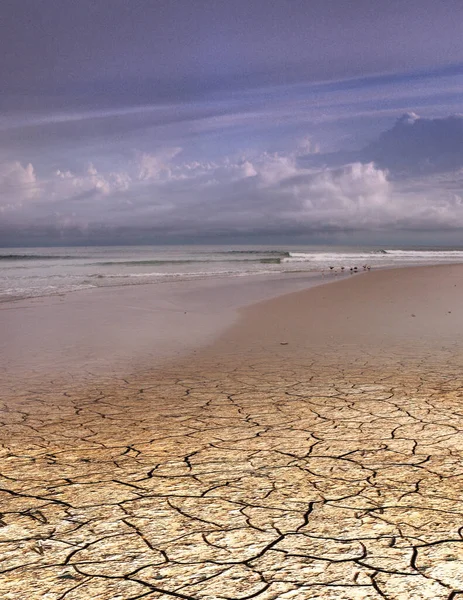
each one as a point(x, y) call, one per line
point(103, 330)
point(5, 301)
point(190, 323)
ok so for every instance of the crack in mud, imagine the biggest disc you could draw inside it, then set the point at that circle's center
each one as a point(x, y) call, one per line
point(270, 481)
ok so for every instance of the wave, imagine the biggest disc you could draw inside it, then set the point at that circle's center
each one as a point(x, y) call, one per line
point(147, 263)
point(381, 257)
point(33, 257)
point(160, 263)
point(330, 256)
point(282, 253)
point(162, 275)
point(427, 253)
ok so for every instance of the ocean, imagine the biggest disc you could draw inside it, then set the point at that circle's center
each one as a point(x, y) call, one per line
point(35, 272)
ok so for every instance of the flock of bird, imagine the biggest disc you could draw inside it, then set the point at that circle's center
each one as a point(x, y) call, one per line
point(351, 269)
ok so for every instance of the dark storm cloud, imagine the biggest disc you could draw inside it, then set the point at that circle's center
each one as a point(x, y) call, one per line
point(417, 145)
point(412, 146)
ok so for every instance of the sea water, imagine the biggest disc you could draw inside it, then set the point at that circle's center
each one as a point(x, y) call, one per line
point(32, 272)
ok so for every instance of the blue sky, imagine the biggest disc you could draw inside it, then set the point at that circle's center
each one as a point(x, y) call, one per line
point(170, 120)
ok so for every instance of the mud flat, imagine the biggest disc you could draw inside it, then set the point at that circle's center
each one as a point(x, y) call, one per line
point(314, 450)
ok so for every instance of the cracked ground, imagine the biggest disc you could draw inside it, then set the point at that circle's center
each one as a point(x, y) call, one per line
point(309, 464)
point(284, 480)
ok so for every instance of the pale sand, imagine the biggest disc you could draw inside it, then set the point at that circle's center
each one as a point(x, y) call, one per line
point(414, 310)
point(327, 467)
point(104, 330)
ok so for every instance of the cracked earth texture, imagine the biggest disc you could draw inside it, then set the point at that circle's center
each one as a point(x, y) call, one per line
point(279, 479)
point(288, 461)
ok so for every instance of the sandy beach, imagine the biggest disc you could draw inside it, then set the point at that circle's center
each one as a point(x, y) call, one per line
point(309, 448)
point(101, 331)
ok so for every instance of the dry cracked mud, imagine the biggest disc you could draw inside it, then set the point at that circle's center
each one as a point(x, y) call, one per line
point(296, 479)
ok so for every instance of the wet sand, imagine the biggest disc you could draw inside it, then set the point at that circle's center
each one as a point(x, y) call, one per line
point(314, 450)
point(120, 329)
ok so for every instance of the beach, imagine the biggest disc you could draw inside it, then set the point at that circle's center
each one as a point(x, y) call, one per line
point(302, 446)
point(100, 331)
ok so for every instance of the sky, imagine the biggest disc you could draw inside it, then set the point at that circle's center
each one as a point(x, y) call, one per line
point(157, 121)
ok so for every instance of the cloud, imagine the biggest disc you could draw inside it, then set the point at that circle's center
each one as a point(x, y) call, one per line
point(307, 146)
point(412, 185)
point(152, 166)
point(17, 183)
point(272, 193)
point(418, 145)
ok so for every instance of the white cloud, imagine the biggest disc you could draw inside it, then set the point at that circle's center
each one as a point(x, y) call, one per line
point(354, 196)
point(267, 193)
point(154, 166)
point(307, 146)
point(17, 184)
point(66, 183)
